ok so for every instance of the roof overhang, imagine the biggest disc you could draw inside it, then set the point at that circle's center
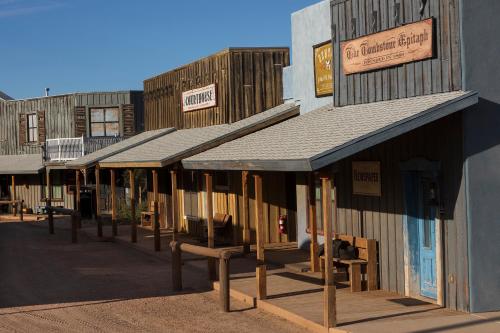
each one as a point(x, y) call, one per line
point(345, 150)
point(293, 111)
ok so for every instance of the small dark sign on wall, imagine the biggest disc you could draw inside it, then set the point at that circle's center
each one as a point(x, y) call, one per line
point(366, 178)
point(323, 69)
point(388, 48)
point(201, 98)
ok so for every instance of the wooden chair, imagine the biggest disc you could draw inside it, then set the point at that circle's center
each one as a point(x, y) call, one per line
point(147, 217)
point(367, 256)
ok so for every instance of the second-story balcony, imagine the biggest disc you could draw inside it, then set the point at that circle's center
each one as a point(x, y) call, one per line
point(68, 149)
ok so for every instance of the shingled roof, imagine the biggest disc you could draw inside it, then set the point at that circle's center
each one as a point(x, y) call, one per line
point(326, 135)
point(101, 154)
point(21, 164)
point(180, 144)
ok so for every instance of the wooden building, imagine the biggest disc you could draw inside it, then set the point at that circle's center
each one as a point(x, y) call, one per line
point(247, 81)
point(62, 128)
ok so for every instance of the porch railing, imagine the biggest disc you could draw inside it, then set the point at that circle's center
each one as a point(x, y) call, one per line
point(68, 149)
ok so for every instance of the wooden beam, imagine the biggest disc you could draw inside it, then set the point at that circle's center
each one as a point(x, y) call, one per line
point(245, 216)
point(210, 224)
point(13, 195)
point(313, 226)
point(156, 221)
point(133, 222)
point(259, 225)
point(49, 202)
point(77, 190)
point(175, 203)
point(114, 225)
point(329, 303)
point(98, 200)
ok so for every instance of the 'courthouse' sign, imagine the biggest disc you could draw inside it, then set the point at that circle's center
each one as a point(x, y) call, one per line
point(401, 45)
point(366, 178)
point(200, 98)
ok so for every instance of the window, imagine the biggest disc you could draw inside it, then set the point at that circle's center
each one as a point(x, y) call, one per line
point(32, 127)
point(104, 122)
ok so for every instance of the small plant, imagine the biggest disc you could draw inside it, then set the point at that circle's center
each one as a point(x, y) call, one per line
point(125, 213)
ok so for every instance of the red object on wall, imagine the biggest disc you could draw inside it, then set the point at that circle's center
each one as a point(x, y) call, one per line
point(282, 224)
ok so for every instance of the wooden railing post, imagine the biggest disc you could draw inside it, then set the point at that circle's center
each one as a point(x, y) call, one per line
point(224, 283)
point(210, 225)
point(176, 266)
point(133, 222)
point(13, 196)
point(156, 221)
point(114, 224)
point(175, 204)
point(245, 216)
point(49, 202)
point(329, 303)
point(21, 213)
point(98, 200)
point(313, 226)
point(78, 196)
point(259, 223)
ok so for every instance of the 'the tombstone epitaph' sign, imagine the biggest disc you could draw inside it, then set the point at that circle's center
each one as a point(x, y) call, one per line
point(366, 178)
point(323, 73)
point(392, 47)
point(201, 98)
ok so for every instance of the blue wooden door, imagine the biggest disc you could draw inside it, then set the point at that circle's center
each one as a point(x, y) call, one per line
point(427, 240)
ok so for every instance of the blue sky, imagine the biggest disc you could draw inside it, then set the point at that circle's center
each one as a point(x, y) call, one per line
point(94, 45)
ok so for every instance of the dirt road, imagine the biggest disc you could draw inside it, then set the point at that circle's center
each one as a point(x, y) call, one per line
point(47, 284)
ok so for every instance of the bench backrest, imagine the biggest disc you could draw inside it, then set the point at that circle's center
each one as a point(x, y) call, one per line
point(152, 206)
point(367, 248)
point(222, 220)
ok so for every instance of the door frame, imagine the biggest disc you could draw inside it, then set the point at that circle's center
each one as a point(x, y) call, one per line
point(430, 169)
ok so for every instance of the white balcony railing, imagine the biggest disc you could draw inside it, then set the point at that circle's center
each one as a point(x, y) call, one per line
point(64, 149)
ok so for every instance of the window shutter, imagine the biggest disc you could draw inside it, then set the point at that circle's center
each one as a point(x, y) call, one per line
point(42, 132)
point(23, 126)
point(80, 121)
point(128, 120)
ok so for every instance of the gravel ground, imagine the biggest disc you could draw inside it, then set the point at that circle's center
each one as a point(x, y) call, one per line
point(50, 285)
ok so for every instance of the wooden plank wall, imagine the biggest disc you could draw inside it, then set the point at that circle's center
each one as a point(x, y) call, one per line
point(248, 81)
point(276, 203)
point(382, 218)
point(354, 18)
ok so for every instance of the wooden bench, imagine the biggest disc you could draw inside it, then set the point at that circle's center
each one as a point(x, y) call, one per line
point(367, 256)
point(222, 222)
point(147, 217)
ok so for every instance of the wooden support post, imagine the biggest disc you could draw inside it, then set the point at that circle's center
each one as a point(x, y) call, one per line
point(21, 213)
point(313, 226)
point(98, 200)
point(245, 216)
point(259, 224)
point(210, 224)
point(224, 284)
point(133, 222)
point(176, 266)
point(175, 204)
point(78, 197)
point(49, 202)
point(329, 303)
point(13, 196)
point(114, 225)
point(156, 221)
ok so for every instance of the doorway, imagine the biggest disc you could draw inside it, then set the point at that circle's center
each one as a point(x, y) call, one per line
point(420, 233)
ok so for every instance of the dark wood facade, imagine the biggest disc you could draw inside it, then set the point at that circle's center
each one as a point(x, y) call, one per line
point(442, 73)
point(249, 81)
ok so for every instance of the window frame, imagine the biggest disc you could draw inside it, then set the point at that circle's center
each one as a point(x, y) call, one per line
point(104, 122)
point(29, 127)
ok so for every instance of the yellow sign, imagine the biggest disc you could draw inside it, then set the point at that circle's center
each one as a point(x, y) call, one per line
point(366, 178)
point(323, 69)
point(401, 45)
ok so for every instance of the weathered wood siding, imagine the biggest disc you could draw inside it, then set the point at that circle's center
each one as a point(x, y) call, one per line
point(381, 218)
point(248, 81)
point(355, 18)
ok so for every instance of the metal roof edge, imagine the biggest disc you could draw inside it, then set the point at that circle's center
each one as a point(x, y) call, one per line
point(391, 131)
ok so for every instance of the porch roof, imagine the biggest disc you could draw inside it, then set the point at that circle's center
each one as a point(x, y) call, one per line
point(326, 135)
point(27, 164)
point(101, 154)
point(183, 143)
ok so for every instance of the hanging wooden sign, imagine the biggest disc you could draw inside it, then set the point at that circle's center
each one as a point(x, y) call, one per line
point(201, 98)
point(392, 47)
point(323, 69)
point(366, 178)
